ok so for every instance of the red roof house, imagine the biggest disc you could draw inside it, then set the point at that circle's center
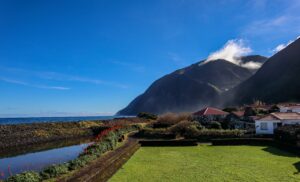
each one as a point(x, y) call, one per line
point(210, 111)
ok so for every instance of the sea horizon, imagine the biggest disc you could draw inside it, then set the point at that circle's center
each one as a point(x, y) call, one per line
point(47, 119)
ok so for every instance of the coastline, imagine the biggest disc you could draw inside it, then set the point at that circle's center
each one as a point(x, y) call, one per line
point(14, 136)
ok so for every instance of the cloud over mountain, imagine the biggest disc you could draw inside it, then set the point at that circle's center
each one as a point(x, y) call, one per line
point(233, 51)
point(282, 46)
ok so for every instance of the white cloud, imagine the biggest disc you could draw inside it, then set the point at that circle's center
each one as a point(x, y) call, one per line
point(33, 85)
point(280, 23)
point(252, 65)
point(48, 75)
point(279, 47)
point(231, 51)
point(282, 46)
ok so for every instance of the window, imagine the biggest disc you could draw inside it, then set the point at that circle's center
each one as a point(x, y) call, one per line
point(264, 126)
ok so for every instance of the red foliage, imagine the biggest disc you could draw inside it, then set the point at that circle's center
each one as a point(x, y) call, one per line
point(2, 174)
point(101, 135)
point(106, 131)
point(9, 170)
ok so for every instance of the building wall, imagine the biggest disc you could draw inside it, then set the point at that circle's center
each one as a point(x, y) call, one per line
point(286, 109)
point(286, 122)
point(270, 127)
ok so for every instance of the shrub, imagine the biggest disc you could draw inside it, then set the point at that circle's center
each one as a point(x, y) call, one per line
point(215, 125)
point(29, 176)
point(289, 134)
point(230, 109)
point(169, 119)
point(207, 134)
point(155, 133)
point(261, 112)
point(184, 127)
point(180, 128)
point(249, 111)
point(274, 108)
point(77, 163)
point(82, 161)
point(146, 115)
point(54, 171)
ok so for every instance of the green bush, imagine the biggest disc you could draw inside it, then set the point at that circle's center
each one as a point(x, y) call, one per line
point(184, 127)
point(146, 115)
point(170, 119)
point(54, 171)
point(274, 108)
point(29, 176)
point(215, 125)
point(289, 134)
point(207, 134)
point(155, 133)
point(230, 109)
point(77, 163)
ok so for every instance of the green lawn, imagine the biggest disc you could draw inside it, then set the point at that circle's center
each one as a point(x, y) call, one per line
point(210, 163)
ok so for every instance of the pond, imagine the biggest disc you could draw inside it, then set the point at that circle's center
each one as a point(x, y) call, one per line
point(39, 159)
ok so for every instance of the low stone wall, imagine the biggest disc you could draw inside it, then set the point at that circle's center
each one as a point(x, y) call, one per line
point(105, 167)
point(168, 143)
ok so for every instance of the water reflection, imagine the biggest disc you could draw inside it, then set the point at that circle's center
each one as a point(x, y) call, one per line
point(36, 161)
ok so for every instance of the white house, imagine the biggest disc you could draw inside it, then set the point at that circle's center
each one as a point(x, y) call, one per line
point(267, 124)
point(290, 108)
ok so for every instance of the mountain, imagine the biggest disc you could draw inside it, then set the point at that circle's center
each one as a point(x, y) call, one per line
point(276, 81)
point(253, 58)
point(190, 88)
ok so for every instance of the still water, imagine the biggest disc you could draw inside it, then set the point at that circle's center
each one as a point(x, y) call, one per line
point(36, 161)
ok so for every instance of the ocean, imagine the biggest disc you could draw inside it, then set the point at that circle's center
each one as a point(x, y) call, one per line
point(53, 119)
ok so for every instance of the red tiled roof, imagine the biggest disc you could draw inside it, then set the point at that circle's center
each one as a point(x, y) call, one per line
point(268, 117)
point(210, 111)
point(281, 116)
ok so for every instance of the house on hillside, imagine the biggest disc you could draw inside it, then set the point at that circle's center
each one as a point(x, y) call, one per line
point(291, 107)
point(235, 119)
point(268, 123)
point(238, 120)
point(209, 114)
point(235, 116)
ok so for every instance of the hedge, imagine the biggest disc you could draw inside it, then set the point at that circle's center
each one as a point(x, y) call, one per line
point(244, 141)
point(107, 143)
point(288, 134)
point(208, 134)
point(168, 143)
point(155, 133)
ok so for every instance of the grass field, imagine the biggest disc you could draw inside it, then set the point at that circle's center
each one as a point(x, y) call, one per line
point(210, 163)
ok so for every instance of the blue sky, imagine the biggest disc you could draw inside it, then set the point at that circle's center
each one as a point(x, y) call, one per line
point(64, 57)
